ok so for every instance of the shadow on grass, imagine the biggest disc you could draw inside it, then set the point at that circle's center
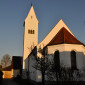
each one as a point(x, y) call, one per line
point(29, 82)
point(25, 82)
point(66, 83)
point(21, 81)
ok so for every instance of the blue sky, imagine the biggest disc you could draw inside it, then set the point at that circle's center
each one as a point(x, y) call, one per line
point(48, 12)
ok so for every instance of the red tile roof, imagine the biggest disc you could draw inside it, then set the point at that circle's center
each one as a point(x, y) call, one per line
point(64, 37)
point(7, 68)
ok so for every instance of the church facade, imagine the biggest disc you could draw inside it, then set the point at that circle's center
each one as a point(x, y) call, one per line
point(60, 44)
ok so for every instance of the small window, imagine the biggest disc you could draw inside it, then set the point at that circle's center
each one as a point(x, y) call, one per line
point(31, 31)
point(31, 17)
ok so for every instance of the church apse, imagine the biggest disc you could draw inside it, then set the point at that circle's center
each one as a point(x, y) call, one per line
point(68, 57)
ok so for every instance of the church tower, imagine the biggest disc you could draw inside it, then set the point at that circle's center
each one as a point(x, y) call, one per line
point(30, 35)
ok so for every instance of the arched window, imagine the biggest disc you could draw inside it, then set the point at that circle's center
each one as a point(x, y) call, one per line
point(28, 31)
point(57, 61)
point(73, 60)
point(31, 31)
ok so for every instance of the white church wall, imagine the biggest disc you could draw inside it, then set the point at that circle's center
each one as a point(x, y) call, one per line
point(65, 59)
point(84, 59)
point(32, 71)
point(34, 74)
point(53, 48)
point(65, 54)
point(38, 76)
point(79, 49)
point(26, 64)
point(80, 60)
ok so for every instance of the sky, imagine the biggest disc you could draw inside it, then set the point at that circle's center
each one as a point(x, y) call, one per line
point(48, 12)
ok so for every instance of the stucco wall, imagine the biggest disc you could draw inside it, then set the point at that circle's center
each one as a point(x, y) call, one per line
point(15, 72)
point(7, 74)
point(34, 74)
point(31, 65)
point(65, 58)
point(65, 54)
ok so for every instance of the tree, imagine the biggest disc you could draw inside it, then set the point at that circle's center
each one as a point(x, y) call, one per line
point(42, 64)
point(6, 61)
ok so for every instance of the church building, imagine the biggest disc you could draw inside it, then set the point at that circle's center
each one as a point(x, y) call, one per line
point(60, 44)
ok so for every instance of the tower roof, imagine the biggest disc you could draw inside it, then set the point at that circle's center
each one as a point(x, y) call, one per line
point(64, 37)
point(31, 13)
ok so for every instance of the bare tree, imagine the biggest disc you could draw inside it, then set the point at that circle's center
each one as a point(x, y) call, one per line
point(6, 61)
point(42, 64)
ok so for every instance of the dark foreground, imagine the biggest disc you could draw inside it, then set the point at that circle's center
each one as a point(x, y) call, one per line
point(27, 82)
point(8, 82)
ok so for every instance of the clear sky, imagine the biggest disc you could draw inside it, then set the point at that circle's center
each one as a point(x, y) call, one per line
point(48, 12)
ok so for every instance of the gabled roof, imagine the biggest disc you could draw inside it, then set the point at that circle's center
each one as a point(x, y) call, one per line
point(8, 68)
point(53, 32)
point(64, 37)
point(16, 62)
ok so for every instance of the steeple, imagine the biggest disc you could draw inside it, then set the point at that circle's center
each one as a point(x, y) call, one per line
point(30, 35)
point(31, 4)
point(32, 13)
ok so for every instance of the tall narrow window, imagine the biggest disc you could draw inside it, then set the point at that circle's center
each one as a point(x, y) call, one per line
point(73, 60)
point(57, 61)
point(33, 31)
point(29, 31)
